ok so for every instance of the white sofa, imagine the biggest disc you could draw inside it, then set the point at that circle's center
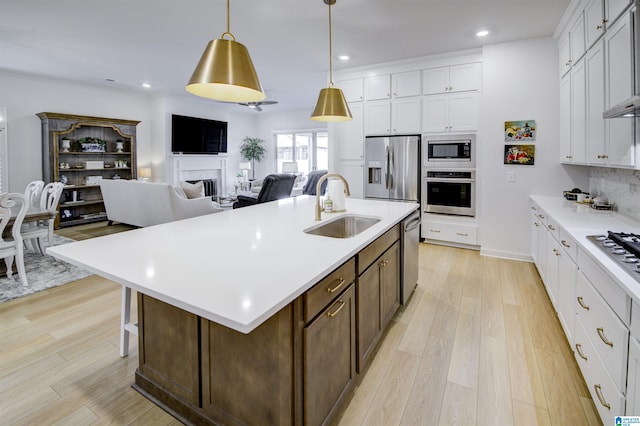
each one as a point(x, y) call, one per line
point(145, 204)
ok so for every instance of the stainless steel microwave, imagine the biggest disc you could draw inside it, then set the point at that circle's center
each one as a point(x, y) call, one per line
point(450, 151)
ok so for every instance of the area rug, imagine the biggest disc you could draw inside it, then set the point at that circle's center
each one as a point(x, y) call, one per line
point(43, 272)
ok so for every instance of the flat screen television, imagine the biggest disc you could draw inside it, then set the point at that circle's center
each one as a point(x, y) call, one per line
point(191, 135)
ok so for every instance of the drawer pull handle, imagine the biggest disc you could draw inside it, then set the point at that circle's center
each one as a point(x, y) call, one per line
point(333, 314)
point(603, 337)
point(533, 208)
point(604, 403)
point(434, 230)
point(541, 216)
point(579, 350)
point(581, 302)
point(552, 228)
point(341, 282)
point(556, 252)
point(536, 223)
point(462, 234)
point(566, 244)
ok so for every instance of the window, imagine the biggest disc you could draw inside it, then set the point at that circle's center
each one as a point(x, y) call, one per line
point(309, 149)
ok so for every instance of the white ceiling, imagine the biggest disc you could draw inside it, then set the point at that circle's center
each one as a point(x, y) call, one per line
point(160, 41)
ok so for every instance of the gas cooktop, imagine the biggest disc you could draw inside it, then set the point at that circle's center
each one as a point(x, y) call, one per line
point(623, 248)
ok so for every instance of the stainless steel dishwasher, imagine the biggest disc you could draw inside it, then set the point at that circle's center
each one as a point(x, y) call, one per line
point(410, 240)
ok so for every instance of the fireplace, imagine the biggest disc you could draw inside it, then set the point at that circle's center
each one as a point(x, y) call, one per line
point(208, 168)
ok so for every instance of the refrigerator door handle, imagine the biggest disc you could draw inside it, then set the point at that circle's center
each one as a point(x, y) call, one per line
point(392, 167)
point(386, 172)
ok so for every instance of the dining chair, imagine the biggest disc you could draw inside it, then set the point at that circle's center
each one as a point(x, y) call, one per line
point(49, 200)
point(32, 193)
point(11, 246)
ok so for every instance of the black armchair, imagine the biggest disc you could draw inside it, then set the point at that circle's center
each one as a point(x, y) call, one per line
point(312, 182)
point(274, 187)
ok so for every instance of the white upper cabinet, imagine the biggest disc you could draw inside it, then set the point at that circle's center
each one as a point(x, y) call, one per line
point(564, 55)
point(401, 116)
point(377, 87)
point(450, 112)
point(349, 135)
point(405, 84)
point(572, 45)
point(613, 9)
point(565, 120)
point(455, 78)
point(353, 89)
point(619, 87)
point(579, 113)
point(594, 21)
point(596, 135)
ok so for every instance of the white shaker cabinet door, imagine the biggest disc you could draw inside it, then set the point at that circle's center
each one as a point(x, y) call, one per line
point(596, 135)
point(377, 87)
point(349, 135)
point(377, 116)
point(465, 77)
point(435, 113)
point(594, 21)
point(565, 120)
point(464, 109)
point(578, 113)
point(633, 379)
point(405, 116)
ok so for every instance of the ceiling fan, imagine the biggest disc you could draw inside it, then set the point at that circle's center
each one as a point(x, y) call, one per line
point(256, 105)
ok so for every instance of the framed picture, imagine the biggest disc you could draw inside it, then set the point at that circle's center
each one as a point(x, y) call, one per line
point(520, 154)
point(520, 130)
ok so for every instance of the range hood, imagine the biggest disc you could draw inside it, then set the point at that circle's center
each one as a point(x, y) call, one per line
point(628, 108)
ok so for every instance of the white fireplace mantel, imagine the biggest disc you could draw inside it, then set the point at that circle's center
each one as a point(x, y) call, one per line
point(195, 167)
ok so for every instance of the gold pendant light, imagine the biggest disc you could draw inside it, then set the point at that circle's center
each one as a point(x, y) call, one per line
point(225, 72)
point(331, 105)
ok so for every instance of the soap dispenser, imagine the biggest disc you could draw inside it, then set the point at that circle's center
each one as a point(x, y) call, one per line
point(328, 204)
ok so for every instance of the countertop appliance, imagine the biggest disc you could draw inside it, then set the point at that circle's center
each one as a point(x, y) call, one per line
point(449, 151)
point(631, 107)
point(623, 248)
point(392, 168)
point(410, 241)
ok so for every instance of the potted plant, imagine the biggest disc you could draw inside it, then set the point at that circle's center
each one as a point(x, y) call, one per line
point(252, 150)
point(91, 144)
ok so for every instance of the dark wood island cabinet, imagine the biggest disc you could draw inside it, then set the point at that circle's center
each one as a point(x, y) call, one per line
point(299, 367)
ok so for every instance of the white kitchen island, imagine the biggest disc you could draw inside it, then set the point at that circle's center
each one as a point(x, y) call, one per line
point(245, 318)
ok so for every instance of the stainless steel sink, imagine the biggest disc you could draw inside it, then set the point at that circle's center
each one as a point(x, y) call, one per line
point(345, 226)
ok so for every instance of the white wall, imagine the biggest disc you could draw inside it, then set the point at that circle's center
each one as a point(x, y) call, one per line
point(25, 96)
point(520, 82)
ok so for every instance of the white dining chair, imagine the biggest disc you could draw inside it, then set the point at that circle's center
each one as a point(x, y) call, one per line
point(49, 200)
point(33, 192)
point(11, 246)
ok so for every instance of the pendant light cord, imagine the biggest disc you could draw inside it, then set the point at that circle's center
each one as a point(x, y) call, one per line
point(330, 51)
point(228, 32)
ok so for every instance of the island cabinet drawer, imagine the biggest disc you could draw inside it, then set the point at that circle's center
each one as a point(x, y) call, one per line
point(323, 293)
point(369, 254)
point(609, 401)
point(610, 337)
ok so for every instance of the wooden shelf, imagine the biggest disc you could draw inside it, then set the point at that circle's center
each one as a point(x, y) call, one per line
point(55, 127)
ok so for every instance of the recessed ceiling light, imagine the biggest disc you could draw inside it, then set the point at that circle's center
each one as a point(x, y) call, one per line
point(146, 85)
point(110, 80)
point(343, 57)
point(482, 33)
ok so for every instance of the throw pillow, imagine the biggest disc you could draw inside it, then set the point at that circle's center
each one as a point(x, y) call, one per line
point(193, 190)
point(179, 191)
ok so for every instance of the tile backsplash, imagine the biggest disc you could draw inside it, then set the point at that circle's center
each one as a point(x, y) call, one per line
point(620, 186)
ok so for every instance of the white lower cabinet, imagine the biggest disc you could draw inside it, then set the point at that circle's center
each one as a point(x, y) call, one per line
point(596, 314)
point(633, 379)
point(609, 401)
point(450, 232)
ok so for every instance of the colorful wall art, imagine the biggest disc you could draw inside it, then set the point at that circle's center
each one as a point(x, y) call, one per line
point(524, 130)
point(520, 154)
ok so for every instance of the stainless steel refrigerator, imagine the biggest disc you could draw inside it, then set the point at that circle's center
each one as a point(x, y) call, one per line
point(392, 168)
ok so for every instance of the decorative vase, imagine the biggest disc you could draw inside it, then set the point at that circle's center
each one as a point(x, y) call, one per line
point(66, 145)
point(119, 146)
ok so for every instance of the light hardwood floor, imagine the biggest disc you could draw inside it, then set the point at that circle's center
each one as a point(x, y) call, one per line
point(479, 344)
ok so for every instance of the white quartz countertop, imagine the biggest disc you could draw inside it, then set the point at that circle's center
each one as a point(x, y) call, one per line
point(580, 221)
point(237, 267)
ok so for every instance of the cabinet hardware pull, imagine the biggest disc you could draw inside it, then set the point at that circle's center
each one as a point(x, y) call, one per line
point(579, 350)
point(599, 27)
point(552, 228)
point(604, 21)
point(434, 230)
point(603, 337)
point(533, 208)
point(462, 234)
point(333, 314)
point(564, 243)
point(556, 252)
point(604, 403)
point(536, 223)
point(581, 302)
point(541, 216)
point(341, 282)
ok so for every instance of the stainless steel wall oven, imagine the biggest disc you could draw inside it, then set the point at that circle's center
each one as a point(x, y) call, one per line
point(449, 192)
